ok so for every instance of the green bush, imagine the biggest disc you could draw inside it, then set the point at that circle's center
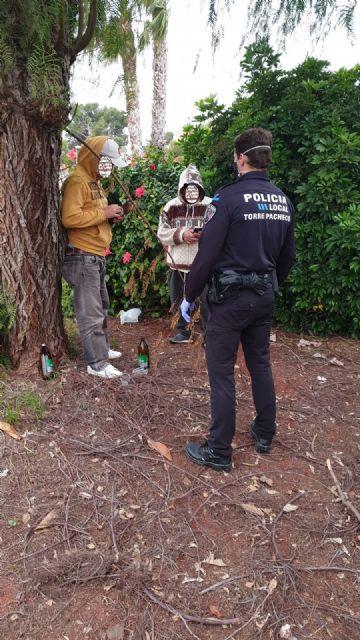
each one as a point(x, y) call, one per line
point(141, 281)
point(7, 314)
point(323, 291)
point(313, 115)
point(7, 319)
point(67, 298)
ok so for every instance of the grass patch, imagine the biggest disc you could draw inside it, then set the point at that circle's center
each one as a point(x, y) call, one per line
point(20, 402)
point(73, 337)
point(113, 343)
point(5, 361)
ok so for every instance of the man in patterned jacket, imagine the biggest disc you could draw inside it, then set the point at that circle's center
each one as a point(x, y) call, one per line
point(180, 224)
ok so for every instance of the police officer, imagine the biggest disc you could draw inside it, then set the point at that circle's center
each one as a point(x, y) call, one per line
point(246, 249)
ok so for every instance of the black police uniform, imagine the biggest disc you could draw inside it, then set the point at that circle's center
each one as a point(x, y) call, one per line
point(248, 240)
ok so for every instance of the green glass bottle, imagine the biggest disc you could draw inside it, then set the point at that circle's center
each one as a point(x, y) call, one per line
point(46, 363)
point(143, 355)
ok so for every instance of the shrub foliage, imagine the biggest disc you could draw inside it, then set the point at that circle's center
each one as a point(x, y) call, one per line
point(140, 279)
point(313, 115)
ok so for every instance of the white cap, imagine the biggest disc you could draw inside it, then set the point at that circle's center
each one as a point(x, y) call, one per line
point(111, 150)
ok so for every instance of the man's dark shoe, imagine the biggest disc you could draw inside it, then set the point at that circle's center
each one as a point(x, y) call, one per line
point(180, 338)
point(202, 454)
point(262, 445)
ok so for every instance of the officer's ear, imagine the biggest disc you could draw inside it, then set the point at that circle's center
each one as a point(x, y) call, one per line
point(237, 158)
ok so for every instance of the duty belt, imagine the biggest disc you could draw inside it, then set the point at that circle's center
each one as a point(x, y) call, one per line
point(227, 284)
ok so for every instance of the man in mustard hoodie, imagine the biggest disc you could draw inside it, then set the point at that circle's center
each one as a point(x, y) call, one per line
point(85, 215)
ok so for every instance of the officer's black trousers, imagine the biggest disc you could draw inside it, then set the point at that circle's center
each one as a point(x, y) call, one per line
point(246, 319)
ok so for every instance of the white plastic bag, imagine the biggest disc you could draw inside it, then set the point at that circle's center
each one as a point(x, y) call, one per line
point(131, 315)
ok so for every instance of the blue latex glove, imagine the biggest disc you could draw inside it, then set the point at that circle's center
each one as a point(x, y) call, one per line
point(185, 309)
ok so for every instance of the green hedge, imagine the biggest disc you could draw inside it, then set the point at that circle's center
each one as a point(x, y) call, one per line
point(314, 117)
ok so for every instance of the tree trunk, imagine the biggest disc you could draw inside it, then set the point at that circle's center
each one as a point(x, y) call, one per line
point(159, 94)
point(132, 101)
point(31, 243)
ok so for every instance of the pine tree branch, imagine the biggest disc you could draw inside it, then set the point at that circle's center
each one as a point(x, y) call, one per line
point(80, 20)
point(83, 39)
point(61, 36)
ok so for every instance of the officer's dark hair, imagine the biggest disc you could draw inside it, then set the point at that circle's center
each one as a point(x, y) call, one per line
point(258, 158)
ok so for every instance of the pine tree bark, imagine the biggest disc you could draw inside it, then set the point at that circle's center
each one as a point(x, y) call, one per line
point(31, 236)
point(159, 94)
point(34, 107)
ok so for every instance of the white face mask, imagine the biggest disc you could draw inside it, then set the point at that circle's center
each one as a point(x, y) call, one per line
point(192, 194)
point(105, 167)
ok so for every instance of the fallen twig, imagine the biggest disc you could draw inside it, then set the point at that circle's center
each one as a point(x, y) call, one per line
point(112, 517)
point(272, 587)
point(278, 554)
point(185, 616)
point(346, 502)
point(219, 584)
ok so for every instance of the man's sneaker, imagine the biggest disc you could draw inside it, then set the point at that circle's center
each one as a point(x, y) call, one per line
point(202, 454)
point(108, 372)
point(112, 355)
point(179, 338)
point(262, 445)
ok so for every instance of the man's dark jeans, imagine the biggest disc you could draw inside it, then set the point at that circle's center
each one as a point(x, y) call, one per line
point(176, 282)
point(85, 273)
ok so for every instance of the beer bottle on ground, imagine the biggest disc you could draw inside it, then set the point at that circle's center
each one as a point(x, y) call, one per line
point(46, 363)
point(143, 354)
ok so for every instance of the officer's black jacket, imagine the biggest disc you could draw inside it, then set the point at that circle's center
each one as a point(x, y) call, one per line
point(250, 228)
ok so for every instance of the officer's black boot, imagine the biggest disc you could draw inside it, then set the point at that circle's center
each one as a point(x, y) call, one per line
point(205, 456)
point(262, 445)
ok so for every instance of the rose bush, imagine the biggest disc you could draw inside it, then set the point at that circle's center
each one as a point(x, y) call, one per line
point(126, 257)
point(136, 268)
point(140, 191)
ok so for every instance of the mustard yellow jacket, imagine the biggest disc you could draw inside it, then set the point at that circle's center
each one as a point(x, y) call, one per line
point(83, 202)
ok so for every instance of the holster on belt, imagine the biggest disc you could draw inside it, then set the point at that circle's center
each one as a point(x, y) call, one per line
point(227, 284)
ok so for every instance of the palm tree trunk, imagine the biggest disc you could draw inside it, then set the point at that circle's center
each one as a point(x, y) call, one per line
point(131, 89)
point(159, 94)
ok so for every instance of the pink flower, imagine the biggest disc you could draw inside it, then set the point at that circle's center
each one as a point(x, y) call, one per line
point(139, 192)
point(107, 251)
point(72, 154)
point(152, 167)
point(126, 257)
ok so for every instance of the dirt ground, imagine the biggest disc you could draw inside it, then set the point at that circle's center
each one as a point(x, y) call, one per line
point(108, 532)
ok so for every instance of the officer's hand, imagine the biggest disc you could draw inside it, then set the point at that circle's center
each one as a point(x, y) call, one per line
point(190, 237)
point(185, 309)
point(113, 211)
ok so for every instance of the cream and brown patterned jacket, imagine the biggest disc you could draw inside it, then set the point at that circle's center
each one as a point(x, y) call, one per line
point(177, 216)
